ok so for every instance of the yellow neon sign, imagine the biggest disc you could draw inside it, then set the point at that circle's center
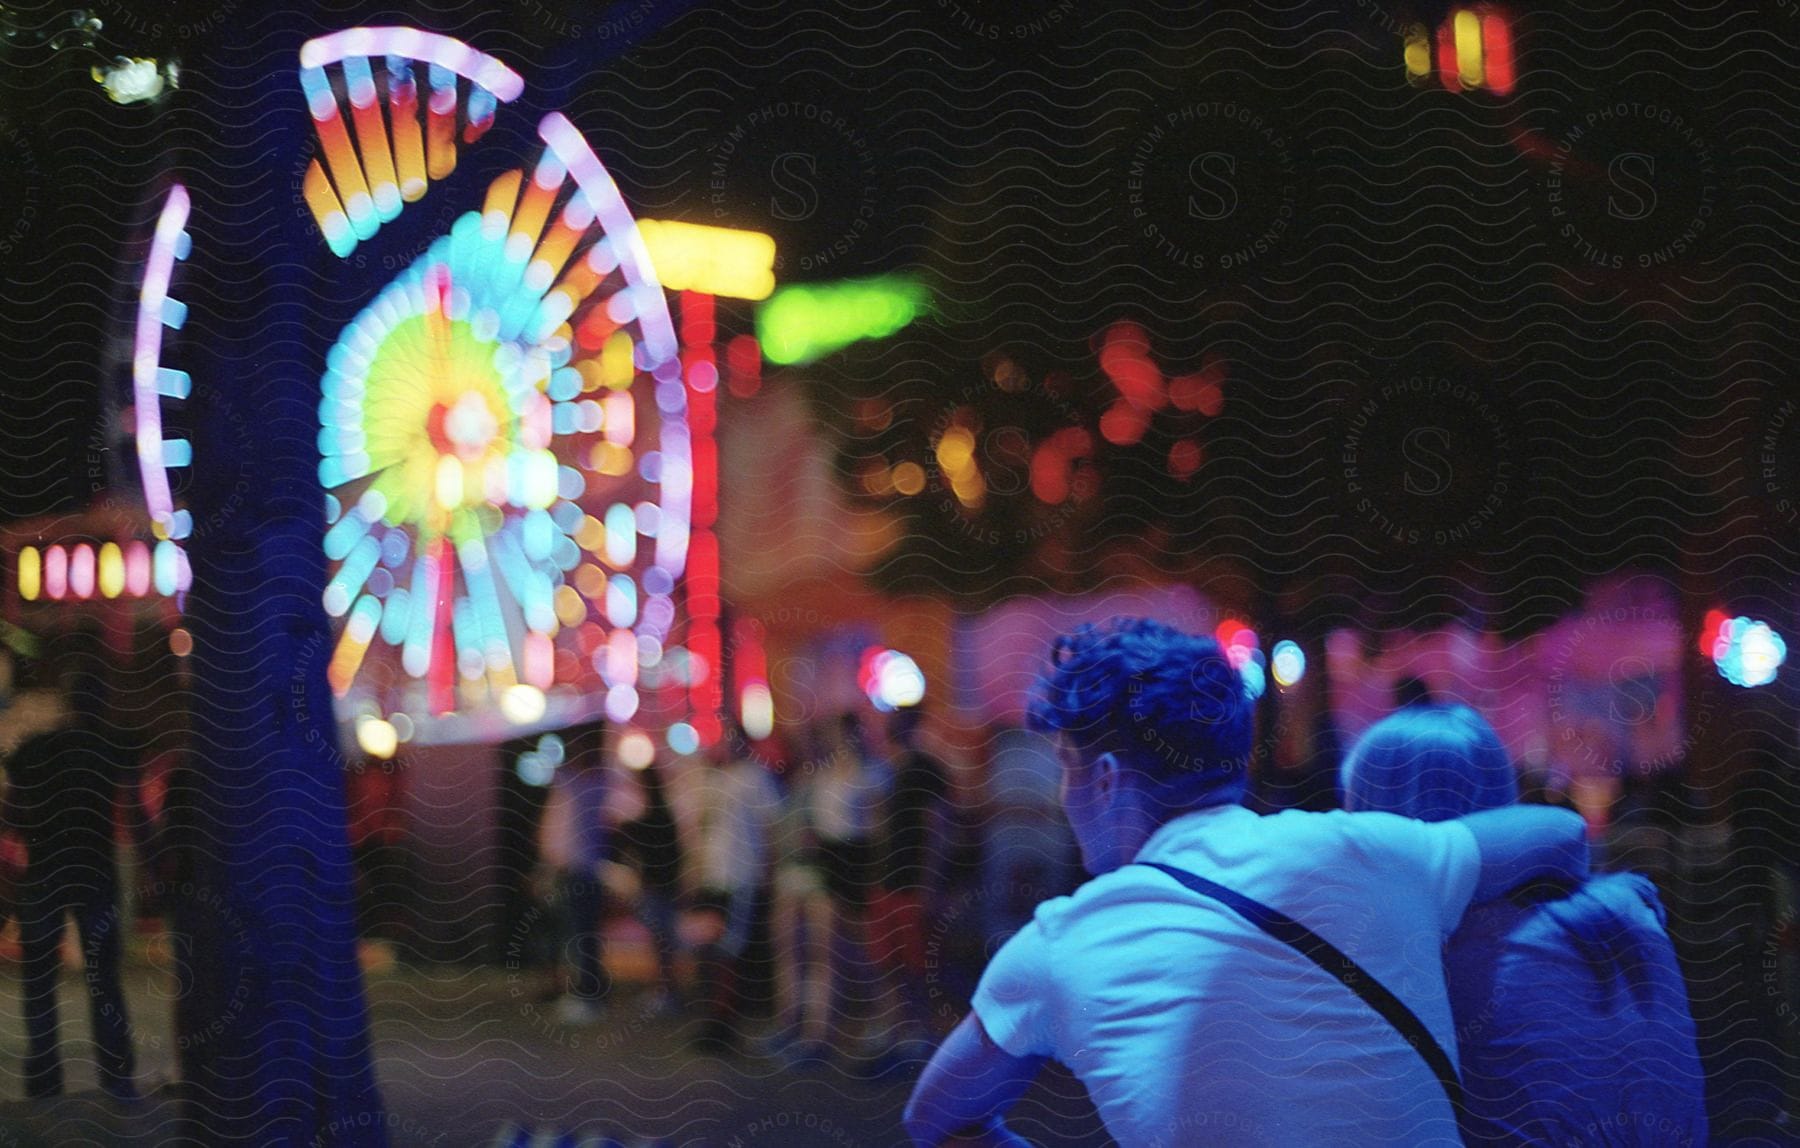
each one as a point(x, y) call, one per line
point(715, 260)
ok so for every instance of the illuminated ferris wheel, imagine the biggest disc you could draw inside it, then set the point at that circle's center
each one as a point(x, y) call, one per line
point(503, 426)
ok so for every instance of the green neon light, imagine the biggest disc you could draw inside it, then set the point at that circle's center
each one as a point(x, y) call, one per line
point(807, 321)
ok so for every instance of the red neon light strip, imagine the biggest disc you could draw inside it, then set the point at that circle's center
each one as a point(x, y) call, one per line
point(706, 699)
point(1497, 50)
point(1448, 70)
point(442, 675)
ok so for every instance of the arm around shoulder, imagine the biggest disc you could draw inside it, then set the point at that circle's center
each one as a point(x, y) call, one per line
point(1520, 844)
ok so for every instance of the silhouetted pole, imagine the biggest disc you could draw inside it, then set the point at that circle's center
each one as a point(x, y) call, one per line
point(274, 1029)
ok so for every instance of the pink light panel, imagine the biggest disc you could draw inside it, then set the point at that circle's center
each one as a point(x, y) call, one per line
point(81, 571)
point(56, 572)
point(137, 569)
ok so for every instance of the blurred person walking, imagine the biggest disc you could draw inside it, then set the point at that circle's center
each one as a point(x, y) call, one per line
point(652, 844)
point(738, 807)
point(62, 799)
point(800, 929)
point(572, 843)
point(910, 876)
point(847, 797)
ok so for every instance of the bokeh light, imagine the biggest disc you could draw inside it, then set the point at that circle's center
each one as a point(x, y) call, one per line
point(683, 738)
point(1287, 661)
point(757, 710)
point(376, 737)
point(636, 750)
point(891, 680)
point(1748, 652)
point(805, 322)
point(523, 704)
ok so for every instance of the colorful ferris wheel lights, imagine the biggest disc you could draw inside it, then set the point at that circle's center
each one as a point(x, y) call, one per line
point(445, 52)
point(403, 117)
point(365, 183)
point(603, 199)
point(461, 453)
point(150, 381)
point(517, 449)
point(621, 601)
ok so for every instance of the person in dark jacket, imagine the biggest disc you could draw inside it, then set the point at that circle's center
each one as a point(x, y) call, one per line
point(1572, 1018)
point(910, 876)
point(573, 844)
point(654, 849)
point(62, 798)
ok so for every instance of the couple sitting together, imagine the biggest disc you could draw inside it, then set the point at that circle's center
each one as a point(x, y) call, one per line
point(1434, 967)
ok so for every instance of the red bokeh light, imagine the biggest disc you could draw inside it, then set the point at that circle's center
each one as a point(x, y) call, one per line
point(1184, 458)
point(1446, 55)
point(1497, 53)
point(1124, 423)
point(1709, 630)
point(1236, 640)
point(743, 359)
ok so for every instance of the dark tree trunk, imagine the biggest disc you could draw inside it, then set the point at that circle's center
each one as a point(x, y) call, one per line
point(274, 1027)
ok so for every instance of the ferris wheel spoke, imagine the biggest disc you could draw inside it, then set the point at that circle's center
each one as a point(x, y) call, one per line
point(442, 674)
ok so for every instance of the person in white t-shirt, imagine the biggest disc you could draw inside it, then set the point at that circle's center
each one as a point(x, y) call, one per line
point(1188, 1024)
point(737, 815)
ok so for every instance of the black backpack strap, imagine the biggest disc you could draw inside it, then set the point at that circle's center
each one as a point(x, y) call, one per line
point(1334, 961)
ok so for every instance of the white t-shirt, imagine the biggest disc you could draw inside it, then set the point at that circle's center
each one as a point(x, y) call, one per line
point(737, 813)
point(846, 798)
point(1191, 1026)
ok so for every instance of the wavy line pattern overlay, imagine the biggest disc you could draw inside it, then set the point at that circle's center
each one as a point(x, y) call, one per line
point(1496, 387)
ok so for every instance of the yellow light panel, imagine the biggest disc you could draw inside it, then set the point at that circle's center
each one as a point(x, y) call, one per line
point(714, 260)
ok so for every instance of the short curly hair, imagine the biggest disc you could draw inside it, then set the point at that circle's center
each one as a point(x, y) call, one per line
point(1167, 703)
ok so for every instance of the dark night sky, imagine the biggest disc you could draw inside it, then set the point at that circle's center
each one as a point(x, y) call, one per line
point(1436, 369)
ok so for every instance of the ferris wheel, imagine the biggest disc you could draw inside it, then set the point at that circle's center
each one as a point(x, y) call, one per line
point(503, 431)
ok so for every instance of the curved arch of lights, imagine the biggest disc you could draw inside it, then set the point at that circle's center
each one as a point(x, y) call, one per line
point(419, 45)
point(151, 382)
